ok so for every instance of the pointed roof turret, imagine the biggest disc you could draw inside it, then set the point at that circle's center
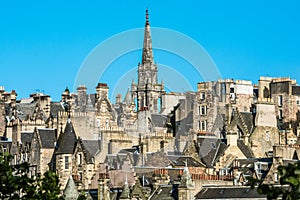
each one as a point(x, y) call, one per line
point(67, 140)
point(147, 48)
point(70, 191)
point(126, 191)
point(186, 179)
point(128, 98)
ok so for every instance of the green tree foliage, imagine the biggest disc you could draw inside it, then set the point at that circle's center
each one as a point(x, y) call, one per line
point(289, 188)
point(16, 184)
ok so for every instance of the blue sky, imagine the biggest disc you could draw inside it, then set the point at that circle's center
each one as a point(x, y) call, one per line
point(43, 44)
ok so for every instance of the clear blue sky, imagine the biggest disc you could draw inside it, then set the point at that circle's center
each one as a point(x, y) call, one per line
point(43, 45)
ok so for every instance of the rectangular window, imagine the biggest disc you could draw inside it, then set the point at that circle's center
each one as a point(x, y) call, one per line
point(203, 110)
point(202, 95)
point(80, 159)
point(203, 126)
point(280, 114)
point(66, 162)
point(280, 100)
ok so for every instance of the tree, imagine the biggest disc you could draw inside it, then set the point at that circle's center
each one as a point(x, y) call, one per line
point(16, 184)
point(289, 187)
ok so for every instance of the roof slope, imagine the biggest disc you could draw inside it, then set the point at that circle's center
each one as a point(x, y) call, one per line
point(48, 138)
point(90, 149)
point(228, 193)
point(67, 140)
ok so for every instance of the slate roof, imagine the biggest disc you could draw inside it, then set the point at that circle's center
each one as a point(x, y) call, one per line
point(185, 125)
point(234, 192)
point(90, 149)
point(296, 90)
point(55, 108)
point(181, 160)
point(248, 119)
point(25, 110)
point(211, 150)
point(158, 120)
point(166, 192)
point(67, 140)
point(47, 137)
point(219, 122)
point(246, 150)
point(26, 137)
point(246, 166)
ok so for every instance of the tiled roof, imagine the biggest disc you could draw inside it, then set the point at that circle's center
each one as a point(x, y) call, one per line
point(118, 178)
point(67, 140)
point(157, 159)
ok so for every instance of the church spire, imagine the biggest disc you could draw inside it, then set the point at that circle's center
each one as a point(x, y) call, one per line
point(147, 48)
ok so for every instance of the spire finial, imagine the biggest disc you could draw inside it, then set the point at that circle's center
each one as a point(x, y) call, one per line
point(147, 16)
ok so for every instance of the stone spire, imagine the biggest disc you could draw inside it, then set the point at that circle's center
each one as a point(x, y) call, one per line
point(148, 91)
point(147, 48)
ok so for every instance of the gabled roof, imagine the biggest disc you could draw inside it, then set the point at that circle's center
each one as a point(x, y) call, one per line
point(248, 119)
point(47, 137)
point(67, 140)
point(182, 160)
point(211, 150)
point(55, 108)
point(25, 110)
point(246, 150)
point(90, 149)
